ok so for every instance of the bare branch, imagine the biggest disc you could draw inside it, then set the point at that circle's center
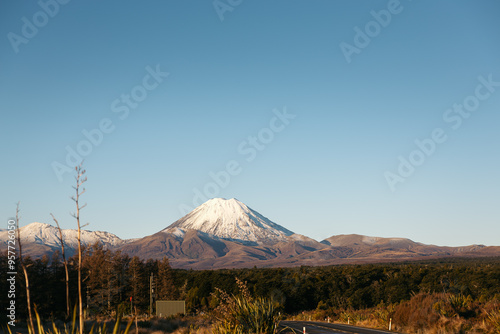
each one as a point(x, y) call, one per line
point(60, 233)
point(65, 262)
point(54, 218)
point(26, 278)
point(18, 230)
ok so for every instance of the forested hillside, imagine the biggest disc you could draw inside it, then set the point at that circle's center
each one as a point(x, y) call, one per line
point(111, 278)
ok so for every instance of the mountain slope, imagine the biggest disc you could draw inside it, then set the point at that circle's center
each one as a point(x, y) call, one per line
point(375, 247)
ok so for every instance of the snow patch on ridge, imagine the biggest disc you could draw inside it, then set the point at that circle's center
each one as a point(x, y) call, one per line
point(370, 240)
point(177, 232)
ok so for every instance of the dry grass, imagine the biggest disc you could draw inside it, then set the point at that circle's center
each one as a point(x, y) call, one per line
point(424, 313)
point(176, 325)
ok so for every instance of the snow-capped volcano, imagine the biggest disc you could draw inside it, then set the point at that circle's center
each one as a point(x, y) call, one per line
point(230, 219)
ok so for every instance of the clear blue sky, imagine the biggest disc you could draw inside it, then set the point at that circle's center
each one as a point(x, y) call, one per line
point(321, 174)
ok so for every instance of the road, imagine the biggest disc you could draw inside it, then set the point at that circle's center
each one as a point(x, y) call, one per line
point(315, 327)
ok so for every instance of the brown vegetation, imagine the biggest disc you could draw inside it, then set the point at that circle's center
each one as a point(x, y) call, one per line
point(424, 313)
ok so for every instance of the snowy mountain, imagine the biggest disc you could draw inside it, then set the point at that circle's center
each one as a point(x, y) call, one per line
point(228, 234)
point(230, 220)
point(41, 237)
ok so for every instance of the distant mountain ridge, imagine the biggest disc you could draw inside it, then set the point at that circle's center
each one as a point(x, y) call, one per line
point(41, 238)
point(228, 234)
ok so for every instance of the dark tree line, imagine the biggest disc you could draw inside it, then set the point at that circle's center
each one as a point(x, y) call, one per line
point(110, 278)
point(350, 286)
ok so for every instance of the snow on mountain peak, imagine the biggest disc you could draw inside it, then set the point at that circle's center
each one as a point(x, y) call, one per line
point(230, 219)
point(47, 234)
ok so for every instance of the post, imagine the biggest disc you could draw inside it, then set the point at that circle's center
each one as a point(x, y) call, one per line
point(136, 327)
point(131, 313)
point(348, 320)
point(304, 330)
point(109, 289)
point(150, 295)
point(88, 299)
point(390, 324)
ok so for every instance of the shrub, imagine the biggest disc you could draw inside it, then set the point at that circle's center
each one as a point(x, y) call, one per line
point(243, 314)
point(456, 305)
point(419, 312)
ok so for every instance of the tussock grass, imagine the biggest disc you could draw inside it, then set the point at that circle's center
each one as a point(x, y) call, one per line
point(73, 327)
point(174, 325)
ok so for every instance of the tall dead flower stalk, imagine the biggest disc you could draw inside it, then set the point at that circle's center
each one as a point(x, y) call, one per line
point(79, 191)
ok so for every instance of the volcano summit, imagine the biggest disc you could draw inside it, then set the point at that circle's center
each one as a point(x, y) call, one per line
point(231, 220)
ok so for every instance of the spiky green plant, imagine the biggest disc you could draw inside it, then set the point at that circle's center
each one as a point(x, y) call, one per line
point(243, 314)
point(256, 316)
point(460, 303)
point(455, 305)
point(494, 319)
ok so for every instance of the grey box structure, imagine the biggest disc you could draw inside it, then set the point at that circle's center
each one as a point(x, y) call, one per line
point(165, 308)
